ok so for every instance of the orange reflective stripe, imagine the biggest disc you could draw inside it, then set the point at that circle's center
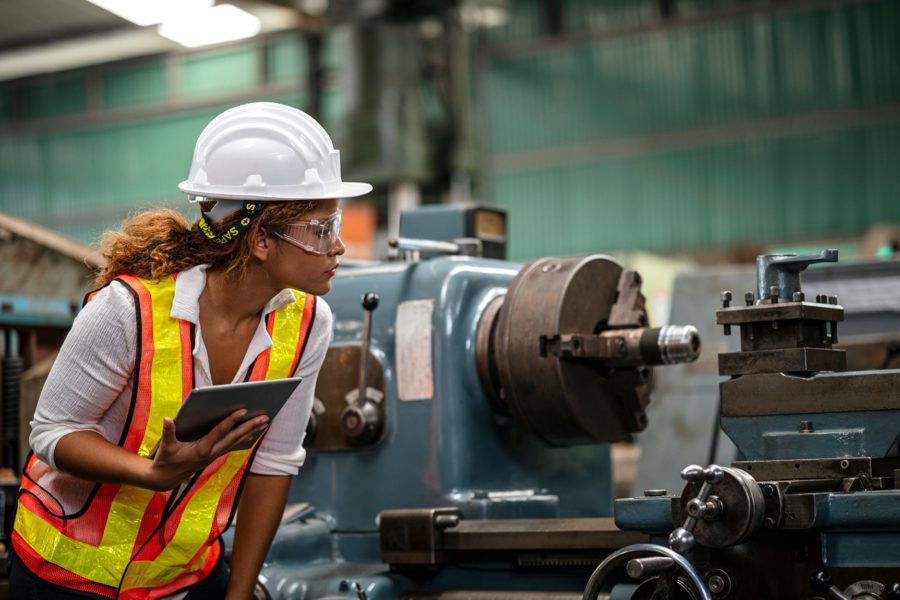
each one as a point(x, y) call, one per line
point(219, 482)
point(287, 323)
point(133, 545)
point(211, 556)
point(98, 544)
point(309, 312)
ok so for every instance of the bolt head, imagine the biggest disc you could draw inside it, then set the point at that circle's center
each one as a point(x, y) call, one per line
point(696, 508)
point(725, 297)
point(716, 584)
point(768, 490)
point(749, 298)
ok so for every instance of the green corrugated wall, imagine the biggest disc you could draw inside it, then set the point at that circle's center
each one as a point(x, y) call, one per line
point(725, 124)
point(83, 178)
point(718, 128)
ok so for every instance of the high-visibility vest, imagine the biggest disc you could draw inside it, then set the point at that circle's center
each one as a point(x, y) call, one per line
point(129, 542)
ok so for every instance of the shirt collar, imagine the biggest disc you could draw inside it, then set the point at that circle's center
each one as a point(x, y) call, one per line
point(189, 285)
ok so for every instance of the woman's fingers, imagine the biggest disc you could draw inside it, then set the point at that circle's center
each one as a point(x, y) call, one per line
point(192, 456)
point(240, 434)
point(229, 422)
point(168, 432)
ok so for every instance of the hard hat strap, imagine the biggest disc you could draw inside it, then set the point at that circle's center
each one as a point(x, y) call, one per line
point(249, 211)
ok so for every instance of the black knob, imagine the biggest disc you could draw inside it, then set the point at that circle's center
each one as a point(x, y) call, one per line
point(893, 592)
point(821, 581)
point(370, 301)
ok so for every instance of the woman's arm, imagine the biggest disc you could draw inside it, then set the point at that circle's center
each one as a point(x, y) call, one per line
point(259, 514)
point(89, 455)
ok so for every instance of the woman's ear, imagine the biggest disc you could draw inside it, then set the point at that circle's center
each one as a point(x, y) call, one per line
point(263, 244)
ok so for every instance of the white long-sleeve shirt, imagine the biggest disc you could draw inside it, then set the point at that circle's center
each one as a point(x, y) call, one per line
point(90, 384)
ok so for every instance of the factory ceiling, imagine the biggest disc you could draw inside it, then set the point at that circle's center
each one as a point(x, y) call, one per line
point(32, 22)
point(46, 36)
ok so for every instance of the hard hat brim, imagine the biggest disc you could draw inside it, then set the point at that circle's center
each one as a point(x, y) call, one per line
point(347, 189)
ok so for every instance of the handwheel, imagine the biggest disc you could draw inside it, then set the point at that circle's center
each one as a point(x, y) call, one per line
point(661, 574)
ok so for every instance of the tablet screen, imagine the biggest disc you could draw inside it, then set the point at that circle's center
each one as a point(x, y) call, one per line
point(205, 408)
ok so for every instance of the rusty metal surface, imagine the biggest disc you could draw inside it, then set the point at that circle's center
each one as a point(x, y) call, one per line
point(778, 361)
point(780, 394)
point(414, 536)
point(337, 379)
point(485, 359)
point(539, 534)
point(837, 468)
point(743, 509)
point(569, 402)
point(773, 335)
point(779, 312)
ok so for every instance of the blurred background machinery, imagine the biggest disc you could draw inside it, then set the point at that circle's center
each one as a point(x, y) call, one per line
point(810, 508)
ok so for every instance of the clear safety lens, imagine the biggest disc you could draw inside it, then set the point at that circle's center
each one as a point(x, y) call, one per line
point(317, 236)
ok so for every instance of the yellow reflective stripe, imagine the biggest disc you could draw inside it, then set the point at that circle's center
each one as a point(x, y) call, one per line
point(102, 565)
point(165, 375)
point(285, 337)
point(128, 508)
point(197, 520)
point(105, 563)
point(193, 530)
point(157, 573)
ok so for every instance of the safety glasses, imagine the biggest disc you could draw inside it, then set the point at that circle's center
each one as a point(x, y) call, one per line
point(316, 236)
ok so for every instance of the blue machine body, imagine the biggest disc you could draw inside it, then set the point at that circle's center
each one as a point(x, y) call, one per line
point(446, 449)
point(822, 448)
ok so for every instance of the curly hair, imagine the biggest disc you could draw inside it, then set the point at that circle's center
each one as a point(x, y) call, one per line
point(156, 243)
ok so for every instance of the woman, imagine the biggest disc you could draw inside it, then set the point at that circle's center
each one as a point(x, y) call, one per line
point(229, 298)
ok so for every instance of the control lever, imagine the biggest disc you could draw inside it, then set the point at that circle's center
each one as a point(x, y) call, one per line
point(821, 582)
point(361, 420)
point(702, 507)
point(782, 271)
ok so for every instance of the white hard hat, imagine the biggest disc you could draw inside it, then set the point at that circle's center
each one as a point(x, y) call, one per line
point(267, 151)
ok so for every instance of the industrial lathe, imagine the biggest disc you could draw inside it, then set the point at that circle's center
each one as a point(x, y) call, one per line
point(459, 443)
point(810, 510)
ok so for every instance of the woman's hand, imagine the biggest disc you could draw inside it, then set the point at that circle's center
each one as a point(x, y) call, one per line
point(176, 461)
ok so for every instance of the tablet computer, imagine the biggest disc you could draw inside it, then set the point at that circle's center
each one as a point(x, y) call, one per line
point(204, 408)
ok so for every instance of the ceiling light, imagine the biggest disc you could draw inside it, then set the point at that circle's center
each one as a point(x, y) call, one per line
point(151, 12)
point(222, 23)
